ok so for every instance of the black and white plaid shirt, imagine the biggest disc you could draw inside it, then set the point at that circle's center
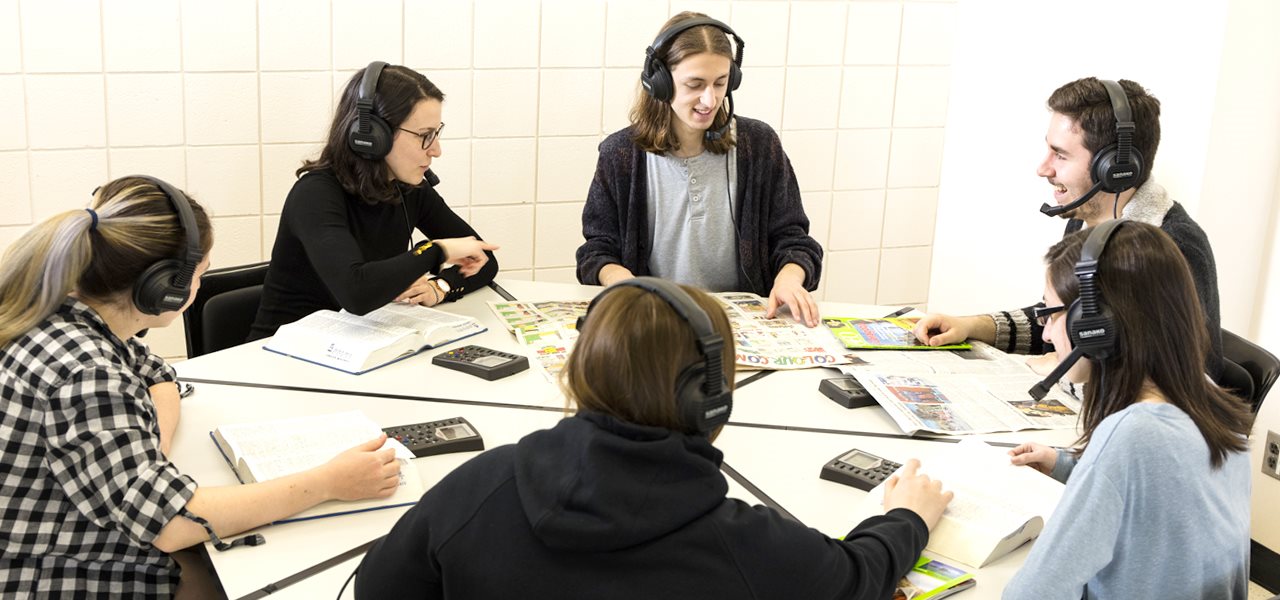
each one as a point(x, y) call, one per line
point(84, 489)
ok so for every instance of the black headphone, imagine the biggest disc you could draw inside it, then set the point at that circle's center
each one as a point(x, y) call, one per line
point(704, 398)
point(166, 284)
point(1089, 322)
point(1118, 166)
point(656, 77)
point(369, 135)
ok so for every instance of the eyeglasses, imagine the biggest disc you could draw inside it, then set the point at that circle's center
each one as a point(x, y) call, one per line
point(429, 137)
point(1042, 313)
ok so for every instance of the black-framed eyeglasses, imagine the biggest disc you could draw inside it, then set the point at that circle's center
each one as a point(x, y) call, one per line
point(1042, 313)
point(429, 137)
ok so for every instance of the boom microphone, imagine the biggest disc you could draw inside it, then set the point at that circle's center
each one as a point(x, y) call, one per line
point(712, 135)
point(1054, 211)
point(1039, 391)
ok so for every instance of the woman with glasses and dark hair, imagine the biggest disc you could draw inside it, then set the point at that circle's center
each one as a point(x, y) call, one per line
point(1157, 498)
point(345, 236)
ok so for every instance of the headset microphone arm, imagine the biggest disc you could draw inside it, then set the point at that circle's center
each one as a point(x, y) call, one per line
point(1054, 211)
point(1039, 391)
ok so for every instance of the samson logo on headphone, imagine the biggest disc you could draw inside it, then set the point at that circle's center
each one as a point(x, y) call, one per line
point(704, 398)
point(1091, 333)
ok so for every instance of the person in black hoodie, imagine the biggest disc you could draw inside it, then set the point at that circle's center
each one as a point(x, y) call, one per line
point(625, 499)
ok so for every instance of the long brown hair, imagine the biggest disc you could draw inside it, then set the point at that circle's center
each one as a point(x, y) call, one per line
point(136, 227)
point(653, 126)
point(399, 90)
point(1161, 335)
point(626, 362)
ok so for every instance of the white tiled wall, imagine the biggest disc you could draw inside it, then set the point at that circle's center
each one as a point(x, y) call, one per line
point(226, 98)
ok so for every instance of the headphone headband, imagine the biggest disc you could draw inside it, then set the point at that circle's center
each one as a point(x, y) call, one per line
point(668, 34)
point(1125, 126)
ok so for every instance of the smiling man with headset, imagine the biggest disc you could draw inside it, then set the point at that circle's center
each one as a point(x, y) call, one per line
point(1101, 143)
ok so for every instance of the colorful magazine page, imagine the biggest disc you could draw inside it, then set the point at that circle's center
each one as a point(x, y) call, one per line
point(881, 334)
point(932, 579)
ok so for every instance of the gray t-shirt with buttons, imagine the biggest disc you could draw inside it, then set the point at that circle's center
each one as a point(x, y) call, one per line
point(691, 219)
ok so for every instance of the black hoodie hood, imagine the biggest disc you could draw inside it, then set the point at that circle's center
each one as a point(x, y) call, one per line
point(595, 483)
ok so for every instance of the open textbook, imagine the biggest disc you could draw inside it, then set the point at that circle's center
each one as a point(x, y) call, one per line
point(267, 450)
point(977, 391)
point(997, 506)
point(550, 328)
point(892, 333)
point(359, 343)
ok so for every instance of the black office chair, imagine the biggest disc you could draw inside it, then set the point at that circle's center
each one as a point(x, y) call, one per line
point(224, 308)
point(1249, 369)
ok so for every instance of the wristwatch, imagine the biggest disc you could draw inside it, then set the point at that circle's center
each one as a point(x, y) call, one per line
point(442, 284)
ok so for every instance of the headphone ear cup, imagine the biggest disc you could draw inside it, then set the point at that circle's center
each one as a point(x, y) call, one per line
point(373, 145)
point(698, 412)
point(153, 292)
point(735, 76)
point(1115, 177)
point(656, 80)
point(1095, 335)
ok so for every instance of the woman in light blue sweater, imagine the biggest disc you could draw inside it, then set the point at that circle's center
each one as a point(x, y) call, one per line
point(1157, 498)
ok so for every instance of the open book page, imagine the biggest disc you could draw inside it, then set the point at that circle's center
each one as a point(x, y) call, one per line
point(340, 340)
point(437, 326)
point(955, 404)
point(354, 331)
point(266, 450)
point(997, 506)
point(888, 332)
point(780, 342)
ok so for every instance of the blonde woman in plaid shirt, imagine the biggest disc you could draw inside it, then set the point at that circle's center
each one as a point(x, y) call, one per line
point(89, 503)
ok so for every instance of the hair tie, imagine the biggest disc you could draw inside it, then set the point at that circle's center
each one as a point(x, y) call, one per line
point(94, 225)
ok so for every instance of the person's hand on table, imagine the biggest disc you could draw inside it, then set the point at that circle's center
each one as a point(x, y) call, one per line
point(424, 291)
point(364, 471)
point(1043, 364)
point(613, 273)
point(916, 492)
point(1037, 456)
point(788, 290)
point(936, 329)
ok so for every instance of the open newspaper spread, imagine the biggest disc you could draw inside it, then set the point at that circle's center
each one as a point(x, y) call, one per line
point(981, 390)
point(549, 329)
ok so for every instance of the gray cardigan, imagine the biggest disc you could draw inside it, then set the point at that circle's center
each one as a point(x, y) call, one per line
point(771, 225)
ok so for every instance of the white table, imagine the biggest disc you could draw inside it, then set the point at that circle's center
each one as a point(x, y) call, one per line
point(785, 466)
point(298, 546)
point(781, 433)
